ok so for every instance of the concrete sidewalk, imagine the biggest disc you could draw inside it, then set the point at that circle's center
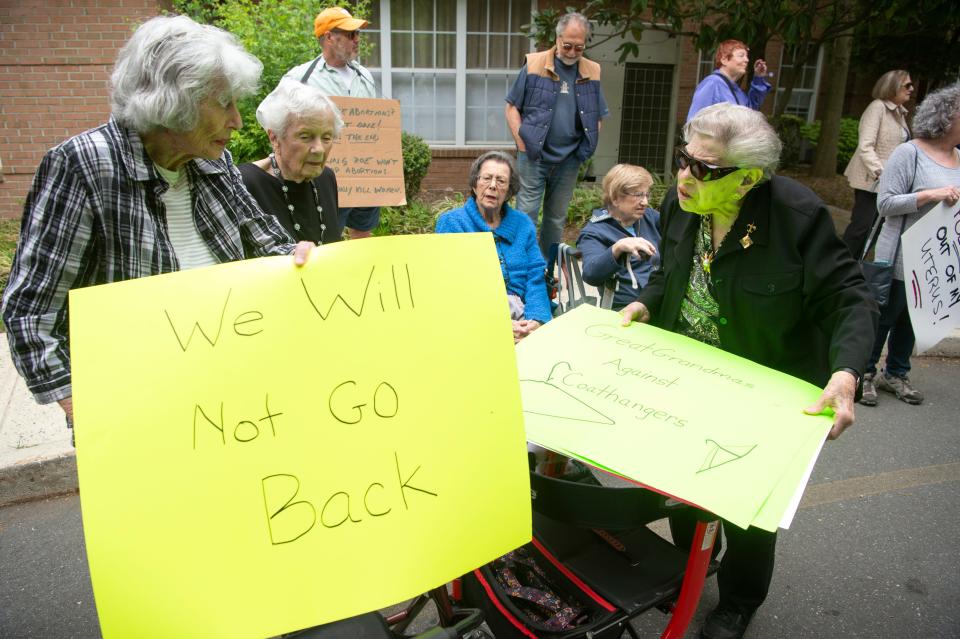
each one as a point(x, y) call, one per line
point(37, 459)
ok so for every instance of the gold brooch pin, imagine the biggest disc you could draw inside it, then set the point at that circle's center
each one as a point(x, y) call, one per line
point(745, 241)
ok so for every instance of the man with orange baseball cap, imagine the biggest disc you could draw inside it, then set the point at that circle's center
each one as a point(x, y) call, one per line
point(336, 72)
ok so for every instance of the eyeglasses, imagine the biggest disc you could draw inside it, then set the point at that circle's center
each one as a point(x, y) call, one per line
point(566, 46)
point(908, 86)
point(485, 180)
point(640, 195)
point(352, 35)
point(700, 169)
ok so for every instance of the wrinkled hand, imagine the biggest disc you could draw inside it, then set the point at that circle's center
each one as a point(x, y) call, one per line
point(635, 312)
point(760, 69)
point(837, 394)
point(635, 246)
point(302, 252)
point(522, 328)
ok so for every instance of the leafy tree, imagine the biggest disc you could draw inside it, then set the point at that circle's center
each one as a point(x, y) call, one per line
point(280, 34)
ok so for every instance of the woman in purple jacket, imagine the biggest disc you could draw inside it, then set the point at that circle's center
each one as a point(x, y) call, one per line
point(723, 85)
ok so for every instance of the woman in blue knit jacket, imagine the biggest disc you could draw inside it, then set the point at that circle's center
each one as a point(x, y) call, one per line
point(493, 181)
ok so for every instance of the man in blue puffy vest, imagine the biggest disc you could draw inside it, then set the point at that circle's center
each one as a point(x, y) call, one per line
point(554, 110)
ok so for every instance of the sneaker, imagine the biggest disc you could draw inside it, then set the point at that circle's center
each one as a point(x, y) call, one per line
point(724, 623)
point(899, 386)
point(869, 397)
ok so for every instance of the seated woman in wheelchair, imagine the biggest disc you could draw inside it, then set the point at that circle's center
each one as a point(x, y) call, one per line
point(619, 244)
point(493, 181)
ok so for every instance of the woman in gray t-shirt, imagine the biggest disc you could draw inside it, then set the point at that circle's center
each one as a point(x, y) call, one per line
point(919, 175)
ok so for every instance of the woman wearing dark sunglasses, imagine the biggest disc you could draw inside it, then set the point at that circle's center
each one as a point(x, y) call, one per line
point(750, 263)
point(883, 126)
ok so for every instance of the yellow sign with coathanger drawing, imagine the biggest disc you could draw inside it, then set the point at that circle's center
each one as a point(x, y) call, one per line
point(682, 417)
point(263, 448)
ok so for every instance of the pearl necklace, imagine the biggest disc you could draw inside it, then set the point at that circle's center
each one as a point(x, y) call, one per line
point(286, 198)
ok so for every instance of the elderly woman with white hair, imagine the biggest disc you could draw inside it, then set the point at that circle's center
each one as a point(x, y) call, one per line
point(293, 183)
point(750, 263)
point(151, 191)
point(918, 176)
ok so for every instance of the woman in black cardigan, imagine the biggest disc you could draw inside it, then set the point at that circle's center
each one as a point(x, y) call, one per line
point(293, 183)
point(750, 263)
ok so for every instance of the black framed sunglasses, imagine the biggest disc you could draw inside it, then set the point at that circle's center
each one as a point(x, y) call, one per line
point(700, 169)
point(350, 35)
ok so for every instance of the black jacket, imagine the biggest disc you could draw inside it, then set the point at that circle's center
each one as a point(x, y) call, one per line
point(795, 300)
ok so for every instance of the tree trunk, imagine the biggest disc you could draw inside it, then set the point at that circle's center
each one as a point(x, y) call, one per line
point(838, 63)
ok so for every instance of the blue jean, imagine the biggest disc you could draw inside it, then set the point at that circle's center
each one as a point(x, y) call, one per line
point(552, 184)
point(895, 321)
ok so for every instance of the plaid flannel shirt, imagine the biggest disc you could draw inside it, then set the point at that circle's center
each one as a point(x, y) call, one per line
point(94, 215)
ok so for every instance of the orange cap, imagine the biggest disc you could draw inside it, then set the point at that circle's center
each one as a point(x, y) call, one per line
point(336, 18)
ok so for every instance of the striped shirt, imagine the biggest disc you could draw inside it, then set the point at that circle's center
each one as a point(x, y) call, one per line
point(191, 250)
point(94, 215)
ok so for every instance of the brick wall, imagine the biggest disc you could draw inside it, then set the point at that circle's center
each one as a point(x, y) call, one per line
point(450, 170)
point(55, 60)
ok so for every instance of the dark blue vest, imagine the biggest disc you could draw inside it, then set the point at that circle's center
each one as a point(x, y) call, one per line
point(540, 94)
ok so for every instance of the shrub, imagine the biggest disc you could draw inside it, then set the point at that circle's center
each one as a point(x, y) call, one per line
point(416, 162)
point(585, 199)
point(416, 217)
point(846, 144)
point(789, 129)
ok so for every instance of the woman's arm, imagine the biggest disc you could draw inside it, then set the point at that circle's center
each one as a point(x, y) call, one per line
point(54, 251)
point(599, 263)
point(757, 92)
point(536, 302)
point(867, 133)
point(895, 194)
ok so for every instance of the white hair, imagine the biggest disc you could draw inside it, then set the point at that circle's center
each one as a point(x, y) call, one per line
point(170, 65)
point(747, 138)
point(573, 16)
point(292, 99)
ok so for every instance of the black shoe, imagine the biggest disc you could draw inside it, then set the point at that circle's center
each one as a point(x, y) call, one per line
point(724, 623)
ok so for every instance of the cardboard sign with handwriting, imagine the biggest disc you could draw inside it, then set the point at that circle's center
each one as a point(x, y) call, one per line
point(263, 448)
point(368, 157)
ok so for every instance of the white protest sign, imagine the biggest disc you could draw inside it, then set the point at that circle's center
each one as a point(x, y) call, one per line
point(931, 274)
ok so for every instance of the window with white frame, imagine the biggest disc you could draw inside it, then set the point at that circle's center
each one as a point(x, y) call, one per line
point(706, 65)
point(450, 63)
point(803, 99)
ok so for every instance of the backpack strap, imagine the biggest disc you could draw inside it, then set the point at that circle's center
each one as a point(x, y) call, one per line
point(736, 98)
point(313, 65)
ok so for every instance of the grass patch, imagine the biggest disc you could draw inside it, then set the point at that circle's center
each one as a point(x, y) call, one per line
point(9, 232)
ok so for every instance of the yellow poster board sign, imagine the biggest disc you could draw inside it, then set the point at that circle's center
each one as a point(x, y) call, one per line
point(687, 419)
point(368, 157)
point(263, 448)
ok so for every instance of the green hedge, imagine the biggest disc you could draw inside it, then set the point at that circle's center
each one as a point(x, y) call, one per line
point(846, 144)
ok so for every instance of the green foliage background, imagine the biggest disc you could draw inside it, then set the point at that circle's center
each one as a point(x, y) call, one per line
point(280, 34)
point(847, 143)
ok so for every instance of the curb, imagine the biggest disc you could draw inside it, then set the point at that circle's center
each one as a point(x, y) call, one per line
point(38, 478)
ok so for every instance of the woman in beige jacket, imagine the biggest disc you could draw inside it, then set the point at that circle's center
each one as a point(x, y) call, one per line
point(883, 127)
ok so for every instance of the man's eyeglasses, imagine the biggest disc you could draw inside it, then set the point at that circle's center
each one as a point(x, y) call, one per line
point(640, 195)
point(700, 169)
point(566, 46)
point(351, 35)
